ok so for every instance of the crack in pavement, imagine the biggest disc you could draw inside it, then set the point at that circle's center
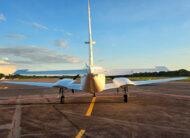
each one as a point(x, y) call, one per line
point(127, 123)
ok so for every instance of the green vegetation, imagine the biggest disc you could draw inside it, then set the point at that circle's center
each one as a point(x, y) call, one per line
point(1, 75)
point(156, 75)
point(177, 73)
point(188, 79)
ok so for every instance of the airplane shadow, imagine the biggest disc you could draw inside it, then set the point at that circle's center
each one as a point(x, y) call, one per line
point(57, 103)
point(66, 102)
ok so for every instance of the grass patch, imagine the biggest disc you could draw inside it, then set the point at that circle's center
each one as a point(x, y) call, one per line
point(188, 79)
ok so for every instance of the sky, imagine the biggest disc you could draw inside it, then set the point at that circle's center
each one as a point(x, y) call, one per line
point(50, 34)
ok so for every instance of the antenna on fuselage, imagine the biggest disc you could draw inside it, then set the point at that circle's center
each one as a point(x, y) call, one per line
point(90, 42)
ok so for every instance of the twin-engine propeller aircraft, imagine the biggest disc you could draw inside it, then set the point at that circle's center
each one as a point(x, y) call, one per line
point(92, 80)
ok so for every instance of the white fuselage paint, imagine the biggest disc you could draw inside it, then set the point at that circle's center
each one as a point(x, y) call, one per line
point(92, 82)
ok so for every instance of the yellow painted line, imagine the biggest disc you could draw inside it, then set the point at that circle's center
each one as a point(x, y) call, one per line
point(79, 135)
point(109, 96)
point(88, 113)
point(116, 96)
point(132, 96)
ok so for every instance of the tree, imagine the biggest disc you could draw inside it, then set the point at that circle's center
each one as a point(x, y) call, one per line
point(1, 75)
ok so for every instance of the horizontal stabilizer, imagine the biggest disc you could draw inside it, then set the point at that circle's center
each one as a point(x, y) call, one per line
point(51, 72)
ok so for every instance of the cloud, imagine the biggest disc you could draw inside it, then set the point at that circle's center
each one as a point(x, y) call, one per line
point(60, 43)
point(7, 69)
point(39, 25)
point(5, 58)
point(68, 33)
point(58, 30)
point(2, 17)
point(4, 61)
point(34, 24)
point(16, 36)
point(63, 31)
point(37, 55)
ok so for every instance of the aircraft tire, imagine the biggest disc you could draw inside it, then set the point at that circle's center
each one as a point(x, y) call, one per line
point(62, 99)
point(125, 98)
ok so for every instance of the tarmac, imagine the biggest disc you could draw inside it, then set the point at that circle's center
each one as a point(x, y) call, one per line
point(157, 110)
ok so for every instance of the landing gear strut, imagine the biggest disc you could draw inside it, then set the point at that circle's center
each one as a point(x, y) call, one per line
point(125, 96)
point(61, 95)
point(117, 91)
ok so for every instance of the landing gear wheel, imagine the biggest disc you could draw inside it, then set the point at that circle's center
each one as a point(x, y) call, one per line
point(125, 96)
point(62, 100)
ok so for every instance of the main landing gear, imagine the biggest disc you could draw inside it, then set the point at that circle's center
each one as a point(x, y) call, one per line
point(125, 96)
point(61, 95)
point(117, 91)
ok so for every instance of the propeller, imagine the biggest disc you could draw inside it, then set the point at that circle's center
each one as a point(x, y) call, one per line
point(75, 77)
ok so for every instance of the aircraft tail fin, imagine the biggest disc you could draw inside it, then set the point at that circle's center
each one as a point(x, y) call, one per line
point(90, 42)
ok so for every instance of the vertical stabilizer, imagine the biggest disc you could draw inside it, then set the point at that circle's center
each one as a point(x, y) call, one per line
point(90, 42)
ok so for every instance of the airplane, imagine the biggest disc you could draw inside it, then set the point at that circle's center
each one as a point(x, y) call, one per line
point(91, 79)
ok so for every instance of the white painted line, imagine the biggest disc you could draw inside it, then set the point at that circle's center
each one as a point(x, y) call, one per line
point(15, 131)
point(6, 126)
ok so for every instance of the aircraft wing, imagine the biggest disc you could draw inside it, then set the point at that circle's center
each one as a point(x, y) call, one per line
point(51, 72)
point(119, 82)
point(30, 83)
point(157, 81)
point(65, 83)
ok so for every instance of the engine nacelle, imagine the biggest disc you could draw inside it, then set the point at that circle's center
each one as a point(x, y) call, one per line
point(63, 83)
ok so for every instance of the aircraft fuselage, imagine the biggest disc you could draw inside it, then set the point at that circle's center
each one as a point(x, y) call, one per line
point(93, 83)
